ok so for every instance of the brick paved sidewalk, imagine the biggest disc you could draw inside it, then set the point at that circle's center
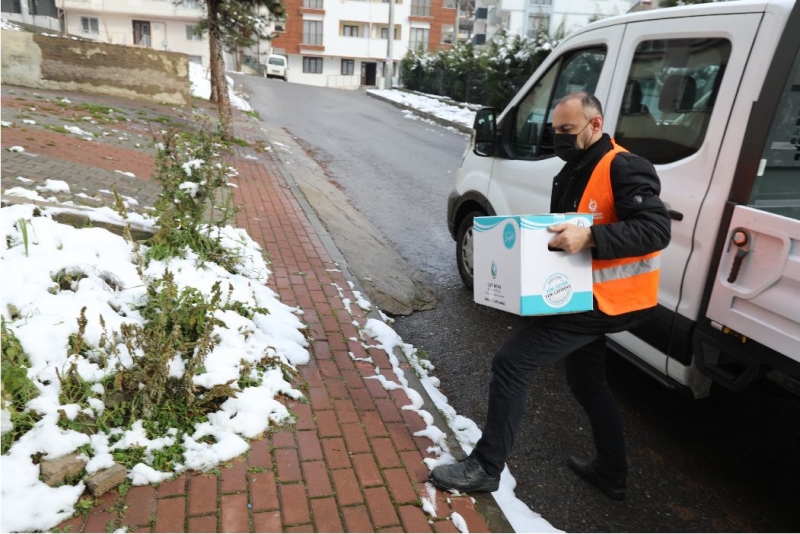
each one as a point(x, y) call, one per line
point(351, 462)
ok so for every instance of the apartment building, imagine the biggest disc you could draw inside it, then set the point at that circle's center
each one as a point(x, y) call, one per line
point(344, 43)
point(158, 24)
point(528, 17)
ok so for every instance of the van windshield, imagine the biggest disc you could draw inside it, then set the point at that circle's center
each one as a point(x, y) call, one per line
point(276, 61)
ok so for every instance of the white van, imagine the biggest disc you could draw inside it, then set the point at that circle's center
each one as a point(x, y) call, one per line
point(711, 95)
point(277, 67)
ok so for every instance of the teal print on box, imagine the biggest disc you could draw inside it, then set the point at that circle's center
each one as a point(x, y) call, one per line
point(557, 290)
point(509, 236)
point(494, 269)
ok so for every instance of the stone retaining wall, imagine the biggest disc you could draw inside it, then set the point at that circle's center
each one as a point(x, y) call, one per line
point(51, 62)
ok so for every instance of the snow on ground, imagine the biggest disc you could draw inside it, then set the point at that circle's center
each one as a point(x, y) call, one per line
point(38, 249)
point(200, 80)
point(430, 104)
point(8, 25)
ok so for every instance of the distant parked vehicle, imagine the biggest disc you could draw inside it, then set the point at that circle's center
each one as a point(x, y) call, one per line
point(277, 67)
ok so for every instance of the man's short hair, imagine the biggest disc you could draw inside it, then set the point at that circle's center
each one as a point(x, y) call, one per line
point(588, 101)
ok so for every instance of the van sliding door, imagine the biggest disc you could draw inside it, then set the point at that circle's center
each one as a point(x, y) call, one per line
point(675, 83)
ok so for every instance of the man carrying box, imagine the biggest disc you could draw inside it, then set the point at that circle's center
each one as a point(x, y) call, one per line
point(631, 225)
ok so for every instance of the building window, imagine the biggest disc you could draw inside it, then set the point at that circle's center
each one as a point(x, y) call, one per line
point(536, 24)
point(421, 8)
point(191, 4)
point(419, 39)
point(312, 32)
point(348, 67)
point(141, 32)
point(350, 31)
point(312, 4)
point(191, 34)
point(196, 59)
point(448, 33)
point(312, 65)
point(540, 2)
point(90, 25)
point(12, 6)
point(385, 33)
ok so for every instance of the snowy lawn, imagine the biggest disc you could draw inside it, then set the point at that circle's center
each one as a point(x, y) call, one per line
point(255, 340)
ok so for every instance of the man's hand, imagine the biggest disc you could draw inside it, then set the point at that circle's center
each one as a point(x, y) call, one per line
point(571, 238)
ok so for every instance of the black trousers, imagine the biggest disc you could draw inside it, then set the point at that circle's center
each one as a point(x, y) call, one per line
point(537, 344)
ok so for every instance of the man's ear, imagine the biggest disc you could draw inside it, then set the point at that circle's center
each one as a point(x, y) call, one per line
point(597, 123)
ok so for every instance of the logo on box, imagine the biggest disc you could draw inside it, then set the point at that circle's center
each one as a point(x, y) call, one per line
point(509, 236)
point(557, 290)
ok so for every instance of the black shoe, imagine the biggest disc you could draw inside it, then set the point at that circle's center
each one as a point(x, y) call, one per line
point(613, 489)
point(466, 476)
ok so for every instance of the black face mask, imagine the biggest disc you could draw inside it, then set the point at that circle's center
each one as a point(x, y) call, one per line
point(564, 145)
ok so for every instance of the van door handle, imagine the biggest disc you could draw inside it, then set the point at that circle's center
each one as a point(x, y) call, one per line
point(741, 240)
point(675, 215)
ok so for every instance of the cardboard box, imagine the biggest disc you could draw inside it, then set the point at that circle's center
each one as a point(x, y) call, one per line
point(514, 271)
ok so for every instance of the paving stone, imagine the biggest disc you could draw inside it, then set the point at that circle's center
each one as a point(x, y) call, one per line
point(106, 479)
point(55, 472)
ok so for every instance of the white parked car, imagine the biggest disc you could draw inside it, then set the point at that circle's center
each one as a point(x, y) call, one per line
point(277, 67)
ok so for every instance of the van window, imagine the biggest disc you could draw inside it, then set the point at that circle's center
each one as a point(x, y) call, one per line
point(777, 185)
point(669, 95)
point(277, 61)
point(575, 71)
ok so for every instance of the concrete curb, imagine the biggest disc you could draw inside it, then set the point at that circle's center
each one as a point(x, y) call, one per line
point(485, 503)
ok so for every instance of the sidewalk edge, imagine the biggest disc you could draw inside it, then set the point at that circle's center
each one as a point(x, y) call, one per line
point(485, 504)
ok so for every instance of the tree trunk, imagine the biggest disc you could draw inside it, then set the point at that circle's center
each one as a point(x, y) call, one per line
point(213, 67)
point(218, 72)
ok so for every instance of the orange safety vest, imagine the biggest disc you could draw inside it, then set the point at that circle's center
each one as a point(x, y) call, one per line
point(625, 284)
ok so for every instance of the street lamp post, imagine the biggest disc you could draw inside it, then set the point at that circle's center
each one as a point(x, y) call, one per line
point(390, 43)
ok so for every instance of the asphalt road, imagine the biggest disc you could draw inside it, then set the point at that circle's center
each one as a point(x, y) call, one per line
point(727, 463)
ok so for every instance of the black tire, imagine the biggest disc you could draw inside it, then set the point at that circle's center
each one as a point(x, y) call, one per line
point(464, 258)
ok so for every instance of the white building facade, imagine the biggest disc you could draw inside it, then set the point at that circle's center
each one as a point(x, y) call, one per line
point(344, 43)
point(528, 17)
point(157, 24)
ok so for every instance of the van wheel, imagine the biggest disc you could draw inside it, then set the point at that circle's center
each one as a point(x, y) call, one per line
point(464, 257)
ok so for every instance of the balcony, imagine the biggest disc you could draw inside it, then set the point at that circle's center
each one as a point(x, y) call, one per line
point(364, 47)
point(144, 9)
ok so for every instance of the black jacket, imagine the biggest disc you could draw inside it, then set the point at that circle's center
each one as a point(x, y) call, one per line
point(643, 226)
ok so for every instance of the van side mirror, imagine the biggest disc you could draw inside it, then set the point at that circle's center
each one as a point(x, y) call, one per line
point(485, 132)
